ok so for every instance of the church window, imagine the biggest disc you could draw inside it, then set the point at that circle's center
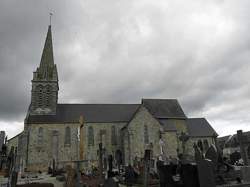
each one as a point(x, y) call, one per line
point(90, 136)
point(206, 145)
point(40, 135)
point(200, 145)
point(67, 136)
point(113, 135)
point(146, 138)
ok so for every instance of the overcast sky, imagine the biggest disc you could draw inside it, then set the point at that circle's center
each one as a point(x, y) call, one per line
point(119, 51)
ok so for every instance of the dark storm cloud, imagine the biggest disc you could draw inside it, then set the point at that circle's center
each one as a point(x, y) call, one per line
point(121, 51)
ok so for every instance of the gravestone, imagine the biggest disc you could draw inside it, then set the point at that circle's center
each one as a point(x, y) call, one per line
point(161, 172)
point(189, 175)
point(206, 173)
point(110, 166)
point(129, 175)
point(110, 182)
point(2, 136)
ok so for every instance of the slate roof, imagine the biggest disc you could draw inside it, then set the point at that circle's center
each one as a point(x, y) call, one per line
point(199, 127)
point(70, 113)
point(164, 108)
point(168, 124)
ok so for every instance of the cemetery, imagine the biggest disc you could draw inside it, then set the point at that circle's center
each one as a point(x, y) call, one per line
point(208, 168)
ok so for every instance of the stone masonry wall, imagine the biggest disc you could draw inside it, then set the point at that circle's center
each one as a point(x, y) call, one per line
point(134, 139)
point(90, 151)
point(171, 144)
point(40, 154)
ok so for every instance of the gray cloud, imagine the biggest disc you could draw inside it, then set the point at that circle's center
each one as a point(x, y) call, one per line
point(120, 51)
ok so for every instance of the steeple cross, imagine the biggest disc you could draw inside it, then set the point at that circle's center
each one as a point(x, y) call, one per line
point(50, 17)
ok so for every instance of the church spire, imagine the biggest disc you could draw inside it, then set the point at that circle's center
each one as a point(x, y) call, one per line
point(45, 82)
point(47, 61)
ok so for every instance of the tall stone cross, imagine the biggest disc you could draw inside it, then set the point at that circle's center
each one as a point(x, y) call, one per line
point(241, 139)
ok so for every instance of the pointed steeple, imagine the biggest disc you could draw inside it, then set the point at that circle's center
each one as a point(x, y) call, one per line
point(46, 68)
point(45, 82)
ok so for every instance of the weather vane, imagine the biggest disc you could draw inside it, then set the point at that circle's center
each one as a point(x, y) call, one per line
point(50, 16)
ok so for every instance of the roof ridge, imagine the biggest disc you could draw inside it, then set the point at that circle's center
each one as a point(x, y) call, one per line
point(198, 118)
point(97, 104)
point(160, 99)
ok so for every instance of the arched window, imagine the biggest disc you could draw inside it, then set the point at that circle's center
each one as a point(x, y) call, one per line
point(113, 136)
point(146, 138)
point(40, 135)
point(200, 145)
point(90, 136)
point(67, 138)
point(205, 144)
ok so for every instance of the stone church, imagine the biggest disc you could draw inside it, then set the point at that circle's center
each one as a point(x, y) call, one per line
point(71, 132)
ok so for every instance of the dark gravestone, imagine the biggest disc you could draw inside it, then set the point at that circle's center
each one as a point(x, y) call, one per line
point(166, 173)
point(110, 182)
point(2, 136)
point(161, 173)
point(168, 170)
point(129, 175)
point(110, 164)
point(189, 175)
point(206, 173)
